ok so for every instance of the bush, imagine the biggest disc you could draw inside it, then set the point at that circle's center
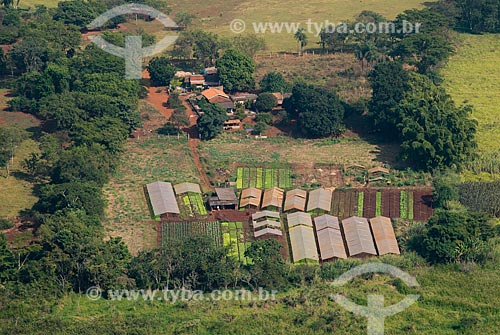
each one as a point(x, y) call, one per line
point(6, 224)
point(266, 118)
point(168, 129)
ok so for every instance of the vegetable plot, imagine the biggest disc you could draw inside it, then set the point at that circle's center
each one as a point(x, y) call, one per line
point(263, 178)
point(233, 236)
point(179, 230)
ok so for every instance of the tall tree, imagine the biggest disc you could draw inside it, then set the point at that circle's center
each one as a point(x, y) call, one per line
point(236, 71)
point(301, 37)
point(274, 82)
point(161, 71)
point(10, 139)
point(210, 123)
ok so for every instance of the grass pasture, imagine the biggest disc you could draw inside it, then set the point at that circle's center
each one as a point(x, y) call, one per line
point(217, 15)
point(471, 75)
point(31, 3)
point(16, 191)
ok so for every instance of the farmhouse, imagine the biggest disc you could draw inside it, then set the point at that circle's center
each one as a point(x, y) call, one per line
point(241, 98)
point(295, 200)
point(320, 199)
point(358, 237)
point(195, 81)
point(384, 236)
point(225, 198)
point(273, 198)
point(329, 235)
point(303, 244)
point(250, 198)
point(162, 198)
point(266, 223)
point(214, 95)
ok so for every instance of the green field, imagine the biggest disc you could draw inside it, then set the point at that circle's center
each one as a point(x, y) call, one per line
point(472, 75)
point(191, 206)
point(233, 236)
point(32, 3)
point(263, 178)
point(452, 302)
point(16, 191)
point(179, 230)
point(217, 15)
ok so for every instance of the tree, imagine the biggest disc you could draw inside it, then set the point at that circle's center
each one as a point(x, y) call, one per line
point(78, 12)
point(210, 123)
point(236, 71)
point(365, 51)
point(301, 37)
point(320, 112)
point(161, 71)
point(10, 139)
point(274, 82)
point(84, 163)
point(389, 82)
point(249, 44)
point(448, 232)
point(184, 19)
point(434, 132)
point(179, 117)
point(268, 269)
point(265, 102)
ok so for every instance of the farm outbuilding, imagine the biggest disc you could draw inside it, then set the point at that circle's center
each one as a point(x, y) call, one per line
point(162, 198)
point(295, 200)
point(225, 198)
point(273, 197)
point(299, 219)
point(358, 237)
point(250, 197)
point(303, 244)
point(384, 236)
point(187, 188)
point(266, 222)
point(330, 241)
point(320, 199)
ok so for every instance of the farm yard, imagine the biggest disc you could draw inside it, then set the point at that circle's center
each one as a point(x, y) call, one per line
point(263, 178)
point(235, 236)
point(179, 230)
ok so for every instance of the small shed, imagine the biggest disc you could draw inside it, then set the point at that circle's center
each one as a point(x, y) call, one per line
point(187, 188)
point(225, 198)
point(303, 244)
point(320, 199)
point(330, 241)
point(358, 237)
point(162, 198)
point(295, 200)
point(250, 197)
point(267, 231)
point(299, 219)
point(384, 236)
point(266, 222)
point(273, 198)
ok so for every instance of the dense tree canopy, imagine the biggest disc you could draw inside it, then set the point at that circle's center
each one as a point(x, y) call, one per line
point(265, 102)
point(434, 132)
point(161, 71)
point(210, 122)
point(236, 71)
point(274, 82)
point(319, 111)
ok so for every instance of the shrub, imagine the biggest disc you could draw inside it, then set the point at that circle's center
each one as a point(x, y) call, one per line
point(6, 224)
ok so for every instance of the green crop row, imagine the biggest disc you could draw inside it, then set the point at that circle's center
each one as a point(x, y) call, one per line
point(378, 204)
point(361, 200)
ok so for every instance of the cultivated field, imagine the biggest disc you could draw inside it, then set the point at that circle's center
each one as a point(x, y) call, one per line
point(472, 75)
point(229, 150)
point(217, 15)
point(147, 158)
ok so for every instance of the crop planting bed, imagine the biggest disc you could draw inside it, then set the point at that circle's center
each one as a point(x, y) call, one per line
point(235, 237)
point(344, 203)
point(422, 205)
point(263, 178)
point(191, 206)
point(178, 230)
point(391, 203)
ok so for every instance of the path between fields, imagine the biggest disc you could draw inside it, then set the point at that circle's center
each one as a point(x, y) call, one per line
point(157, 97)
